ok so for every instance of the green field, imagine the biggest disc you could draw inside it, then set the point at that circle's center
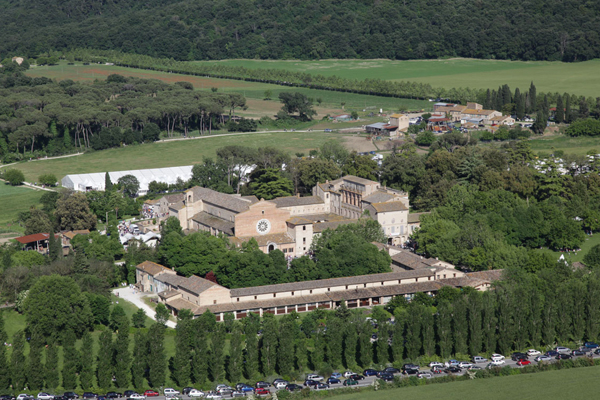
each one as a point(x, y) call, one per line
point(331, 101)
point(170, 154)
point(571, 145)
point(580, 78)
point(567, 383)
point(15, 200)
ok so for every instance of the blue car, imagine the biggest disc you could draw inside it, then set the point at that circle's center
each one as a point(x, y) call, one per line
point(552, 353)
point(246, 389)
point(369, 372)
point(591, 345)
point(336, 375)
point(332, 381)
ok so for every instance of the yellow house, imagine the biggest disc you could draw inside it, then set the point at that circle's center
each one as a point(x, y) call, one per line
point(399, 120)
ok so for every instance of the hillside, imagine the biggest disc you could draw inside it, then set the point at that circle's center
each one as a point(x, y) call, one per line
point(307, 29)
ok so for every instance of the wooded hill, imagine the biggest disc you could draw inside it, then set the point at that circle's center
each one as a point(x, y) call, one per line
point(307, 29)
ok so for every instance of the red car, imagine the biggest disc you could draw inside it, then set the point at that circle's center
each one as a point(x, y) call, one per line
point(523, 362)
point(150, 393)
point(261, 391)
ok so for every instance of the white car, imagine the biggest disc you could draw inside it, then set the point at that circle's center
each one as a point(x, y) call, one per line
point(464, 364)
point(543, 357)
point(563, 350)
point(171, 392)
point(497, 357)
point(213, 396)
point(281, 384)
point(533, 352)
point(136, 396)
point(348, 374)
point(496, 363)
point(314, 377)
point(422, 375)
point(44, 396)
point(195, 393)
point(24, 396)
point(478, 359)
point(436, 364)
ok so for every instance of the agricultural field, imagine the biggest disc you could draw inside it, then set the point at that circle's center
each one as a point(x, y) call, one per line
point(253, 91)
point(580, 78)
point(20, 199)
point(543, 385)
point(175, 153)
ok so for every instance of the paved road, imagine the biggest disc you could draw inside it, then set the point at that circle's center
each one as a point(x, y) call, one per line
point(136, 298)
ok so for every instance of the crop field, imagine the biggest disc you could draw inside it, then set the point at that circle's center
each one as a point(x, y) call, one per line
point(173, 153)
point(580, 78)
point(20, 199)
point(254, 91)
point(543, 385)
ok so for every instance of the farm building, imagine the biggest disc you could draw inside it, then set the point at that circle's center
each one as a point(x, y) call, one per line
point(95, 181)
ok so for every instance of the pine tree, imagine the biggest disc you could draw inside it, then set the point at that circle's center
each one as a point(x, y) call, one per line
point(51, 365)
point(104, 364)
point(300, 354)
point(350, 345)
point(398, 340)
point(443, 325)
point(108, 186)
point(86, 377)
point(183, 341)
point(71, 360)
point(365, 348)
point(4, 372)
point(35, 373)
point(140, 361)
point(474, 315)
point(568, 111)
point(157, 363)
point(285, 350)
point(532, 97)
point(235, 363)
point(559, 115)
point(18, 364)
point(268, 345)
point(460, 326)
point(122, 362)
point(251, 359)
point(427, 332)
point(335, 342)
point(382, 347)
point(216, 362)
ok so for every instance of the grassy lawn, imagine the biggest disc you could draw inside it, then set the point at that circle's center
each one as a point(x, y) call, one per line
point(544, 385)
point(572, 145)
point(251, 90)
point(169, 154)
point(579, 78)
point(16, 199)
point(590, 241)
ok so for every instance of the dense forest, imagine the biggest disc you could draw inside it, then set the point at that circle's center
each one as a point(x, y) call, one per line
point(267, 29)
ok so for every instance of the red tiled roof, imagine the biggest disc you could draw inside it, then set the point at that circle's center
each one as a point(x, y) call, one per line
point(34, 238)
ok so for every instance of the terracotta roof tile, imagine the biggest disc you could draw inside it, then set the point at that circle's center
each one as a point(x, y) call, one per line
point(292, 201)
point(389, 206)
point(222, 200)
point(152, 268)
point(217, 223)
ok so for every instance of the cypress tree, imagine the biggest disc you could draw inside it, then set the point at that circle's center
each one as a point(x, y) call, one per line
point(365, 347)
point(559, 116)
point(499, 99)
point(584, 110)
point(578, 288)
point(427, 332)
point(51, 365)
point(86, 377)
point(504, 314)
point(285, 351)
point(488, 317)
point(460, 326)
point(235, 363)
point(506, 95)
point(216, 361)
point(317, 357)
point(335, 342)
point(398, 339)
point(300, 354)
point(107, 183)
point(527, 103)
point(474, 314)
point(532, 97)
point(18, 364)
point(157, 363)
point(104, 364)
point(54, 247)
point(183, 342)
point(549, 320)
point(568, 111)
point(268, 345)
point(444, 328)
point(53, 130)
point(70, 361)
point(140, 361)
point(382, 347)
point(519, 104)
point(350, 345)
point(122, 362)
point(4, 372)
point(487, 104)
point(535, 319)
point(413, 331)
point(522, 318)
point(564, 314)
point(251, 359)
point(35, 373)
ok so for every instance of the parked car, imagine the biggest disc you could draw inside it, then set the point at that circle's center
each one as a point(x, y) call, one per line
point(7, 397)
point(597, 351)
point(213, 396)
point(552, 353)
point(453, 370)
point(479, 359)
point(70, 395)
point(496, 363)
point(357, 377)
point(333, 381)
point(386, 376)
point(426, 375)
point(410, 366)
point(533, 352)
point(563, 357)
point(464, 364)
point(90, 395)
point(523, 362)
point(261, 391)
point(350, 382)
point(336, 375)
point(543, 357)
point(474, 368)
point(309, 382)
point(185, 391)
point(151, 393)
point(126, 393)
point(369, 372)
point(392, 370)
point(262, 384)
point(237, 393)
point(497, 357)
point(453, 363)
point(519, 356)
point(245, 388)
point(577, 353)
point(437, 370)
point(25, 396)
point(195, 393)
point(328, 130)
point(225, 391)
point(561, 349)
point(321, 386)
point(436, 364)
point(45, 396)
point(115, 395)
point(315, 377)
point(348, 374)
point(410, 372)
point(591, 345)
point(292, 387)
point(136, 396)
point(171, 392)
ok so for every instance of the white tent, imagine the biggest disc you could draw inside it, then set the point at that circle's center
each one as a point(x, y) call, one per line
point(95, 181)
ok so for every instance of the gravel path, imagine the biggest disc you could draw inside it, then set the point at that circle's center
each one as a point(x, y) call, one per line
point(136, 299)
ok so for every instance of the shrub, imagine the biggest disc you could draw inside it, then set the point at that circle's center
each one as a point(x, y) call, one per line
point(14, 176)
point(48, 179)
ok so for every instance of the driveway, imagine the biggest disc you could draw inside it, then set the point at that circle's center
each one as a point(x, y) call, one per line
point(136, 299)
